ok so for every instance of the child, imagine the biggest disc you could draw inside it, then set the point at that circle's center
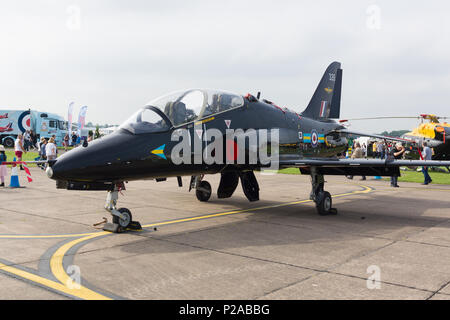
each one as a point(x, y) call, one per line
point(3, 170)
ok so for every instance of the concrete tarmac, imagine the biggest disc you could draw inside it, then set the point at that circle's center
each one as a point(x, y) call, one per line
point(384, 243)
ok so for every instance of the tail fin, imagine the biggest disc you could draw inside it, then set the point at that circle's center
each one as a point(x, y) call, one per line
point(326, 101)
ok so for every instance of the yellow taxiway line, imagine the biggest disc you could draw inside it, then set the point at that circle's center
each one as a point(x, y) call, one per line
point(50, 283)
point(215, 215)
point(56, 265)
point(50, 236)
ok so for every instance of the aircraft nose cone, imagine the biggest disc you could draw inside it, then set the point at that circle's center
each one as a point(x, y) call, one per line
point(60, 169)
point(49, 172)
point(99, 161)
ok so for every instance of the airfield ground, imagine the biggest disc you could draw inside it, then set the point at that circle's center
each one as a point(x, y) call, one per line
point(277, 248)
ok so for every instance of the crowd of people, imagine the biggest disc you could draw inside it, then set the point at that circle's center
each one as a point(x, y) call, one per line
point(386, 150)
point(46, 148)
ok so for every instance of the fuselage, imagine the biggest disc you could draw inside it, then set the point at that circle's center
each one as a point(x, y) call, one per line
point(126, 156)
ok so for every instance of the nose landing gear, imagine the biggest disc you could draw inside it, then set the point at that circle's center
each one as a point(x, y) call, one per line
point(321, 197)
point(122, 218)
point(202, 188)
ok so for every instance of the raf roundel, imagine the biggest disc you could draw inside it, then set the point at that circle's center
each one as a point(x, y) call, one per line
point(314, 138)
point(24, 121)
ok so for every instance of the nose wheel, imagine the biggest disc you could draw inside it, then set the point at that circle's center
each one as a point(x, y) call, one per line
point(122, 218)
point(125, 219)
point(202, 188)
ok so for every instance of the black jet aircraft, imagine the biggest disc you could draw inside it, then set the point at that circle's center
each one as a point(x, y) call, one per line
point(147, 146)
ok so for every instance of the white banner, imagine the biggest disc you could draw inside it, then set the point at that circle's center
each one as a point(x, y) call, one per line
point(81, 119)
point(69, 117)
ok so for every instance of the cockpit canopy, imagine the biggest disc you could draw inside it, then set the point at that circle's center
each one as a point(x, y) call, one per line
point(180, 108)
point(185, 106)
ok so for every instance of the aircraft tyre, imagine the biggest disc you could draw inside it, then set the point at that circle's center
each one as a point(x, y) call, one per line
point(203, 191)
point(124, 223)
point(8, 142)
point(324, 204)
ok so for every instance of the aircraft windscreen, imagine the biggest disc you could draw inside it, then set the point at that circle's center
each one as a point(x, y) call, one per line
point(145, 120)
point(187, 106)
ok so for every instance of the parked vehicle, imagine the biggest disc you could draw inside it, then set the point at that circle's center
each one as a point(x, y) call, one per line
point(44, 124)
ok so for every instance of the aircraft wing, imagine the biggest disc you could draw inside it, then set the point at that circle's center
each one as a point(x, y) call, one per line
point(377, 136)
point(334, 162)
point(356, 167)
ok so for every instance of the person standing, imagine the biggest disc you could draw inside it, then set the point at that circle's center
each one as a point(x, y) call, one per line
point(50, 149)
point(375, 150)
point(3, 170)
point(66, 141)
point(42, 145)
point(358, 153)
point(27, 140)
point(380, 150)
point(364, 149)
point(33, 138)
point(427, 155)
point(19, 149)
point(74, 139)
point(396, 153)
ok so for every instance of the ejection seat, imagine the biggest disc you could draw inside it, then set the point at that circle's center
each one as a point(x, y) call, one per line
point(215, 104)
point(176, 112)
point(224, 102)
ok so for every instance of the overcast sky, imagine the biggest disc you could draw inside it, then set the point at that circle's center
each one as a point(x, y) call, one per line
point(115, 56)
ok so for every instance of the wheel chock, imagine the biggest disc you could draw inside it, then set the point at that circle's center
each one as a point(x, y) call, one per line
point(134, 225)
point(115, 228)
point(333, 212)
point(112, 227)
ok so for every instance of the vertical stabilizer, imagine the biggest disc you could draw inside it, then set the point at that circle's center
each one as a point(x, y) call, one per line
point(326, 101)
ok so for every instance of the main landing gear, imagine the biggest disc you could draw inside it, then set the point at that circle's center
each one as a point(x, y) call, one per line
point(321, 197)
point(122, 218)
point(202, 188)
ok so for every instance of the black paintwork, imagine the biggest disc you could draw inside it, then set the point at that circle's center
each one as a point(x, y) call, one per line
point(123, 156)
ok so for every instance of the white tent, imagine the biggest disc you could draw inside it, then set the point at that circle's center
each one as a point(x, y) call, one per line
point(106, 131)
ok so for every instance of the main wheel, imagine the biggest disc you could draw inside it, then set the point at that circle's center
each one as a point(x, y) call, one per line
point(126, 220)
point(203, 191)
point(8, 142)
point(324, 203)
